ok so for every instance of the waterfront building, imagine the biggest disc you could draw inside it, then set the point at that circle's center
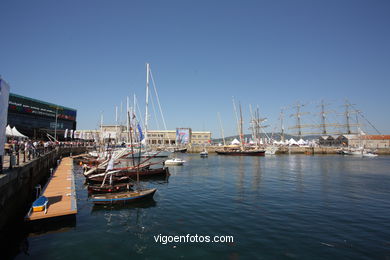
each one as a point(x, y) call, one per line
point(334, 140)
point(370, 141)
point(160, 137)
point(35, 118)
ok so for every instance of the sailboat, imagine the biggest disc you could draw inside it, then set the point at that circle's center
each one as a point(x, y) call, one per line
point(238, 151)
point(123, 197)
point(150, 153)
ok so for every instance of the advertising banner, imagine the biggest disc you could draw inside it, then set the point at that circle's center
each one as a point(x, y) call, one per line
point(4, 94)
point(25, 105)
point(183, 135)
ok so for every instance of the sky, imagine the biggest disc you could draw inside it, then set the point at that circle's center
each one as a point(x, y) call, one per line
point(91, 54)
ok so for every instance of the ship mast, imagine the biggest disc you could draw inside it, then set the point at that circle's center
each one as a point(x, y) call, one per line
point(281, 124)
point(241, 130)
point(222, 133)
point(147, 103)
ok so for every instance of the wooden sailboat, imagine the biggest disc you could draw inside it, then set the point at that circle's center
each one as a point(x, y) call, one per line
point(240, 151)
point(123, 197)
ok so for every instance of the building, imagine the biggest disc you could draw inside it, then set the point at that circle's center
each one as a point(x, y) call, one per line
point(334, 140)
point(370, 141)
point(36, 118)
point(161, 137)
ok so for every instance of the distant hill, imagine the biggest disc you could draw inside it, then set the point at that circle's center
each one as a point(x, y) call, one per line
point(276, 136)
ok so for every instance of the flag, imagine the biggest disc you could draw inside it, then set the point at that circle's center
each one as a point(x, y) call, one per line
point(141, 136)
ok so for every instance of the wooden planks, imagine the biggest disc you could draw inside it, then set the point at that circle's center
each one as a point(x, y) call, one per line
point(61, 192)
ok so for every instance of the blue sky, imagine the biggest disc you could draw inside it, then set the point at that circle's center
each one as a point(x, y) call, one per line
point(91, 54)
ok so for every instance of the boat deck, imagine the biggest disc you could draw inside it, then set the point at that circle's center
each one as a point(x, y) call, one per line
point(61, 193)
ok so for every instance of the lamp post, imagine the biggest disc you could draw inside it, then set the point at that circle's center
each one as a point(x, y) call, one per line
point(55, 127)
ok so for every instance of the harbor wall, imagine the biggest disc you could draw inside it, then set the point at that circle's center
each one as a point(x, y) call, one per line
point(17, 186)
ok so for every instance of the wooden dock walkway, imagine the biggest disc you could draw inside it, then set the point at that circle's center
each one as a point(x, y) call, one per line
point(61, 193)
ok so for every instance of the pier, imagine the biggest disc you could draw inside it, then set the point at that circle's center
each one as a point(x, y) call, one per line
point(17, 185)
point(61, 193)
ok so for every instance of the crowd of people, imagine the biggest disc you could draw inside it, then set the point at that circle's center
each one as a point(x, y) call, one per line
point(35, 148)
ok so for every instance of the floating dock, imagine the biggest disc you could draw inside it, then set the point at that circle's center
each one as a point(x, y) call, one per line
point(61, 193)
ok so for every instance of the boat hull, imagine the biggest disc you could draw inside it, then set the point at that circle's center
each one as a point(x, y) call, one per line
point(120, 187)
point(124, 176)
point(241, 153)
point(123, 197)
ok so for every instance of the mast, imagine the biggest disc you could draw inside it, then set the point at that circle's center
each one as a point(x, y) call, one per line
point(116, 124)
point(222, 133)
point(281, 124)
point(323, 117)
point(252, 124)
point(147, 102)
point(347, 117)
point(127, 117)
point(101, 128)
point(237, 121)
point(241, 131)
point(298, 114)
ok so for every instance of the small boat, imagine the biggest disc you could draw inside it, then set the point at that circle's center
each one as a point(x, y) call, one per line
point(179, 150)
point(124, 176)
point(40, 204)
point(107, 188)
point(175, 162)
point(204, 154)
point(155, 154)
point(369, 154)
point(122, 197)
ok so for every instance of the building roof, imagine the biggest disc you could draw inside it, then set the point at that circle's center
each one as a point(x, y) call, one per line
point(375, 137)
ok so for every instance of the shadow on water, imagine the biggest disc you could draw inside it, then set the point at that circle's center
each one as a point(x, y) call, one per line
point(17, 237)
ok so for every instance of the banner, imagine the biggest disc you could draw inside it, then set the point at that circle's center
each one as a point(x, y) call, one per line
point(183, 135)
point(141, 136)
point(4, 96)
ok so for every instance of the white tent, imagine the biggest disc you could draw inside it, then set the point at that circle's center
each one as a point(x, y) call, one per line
point(235, 141)
point(17, 133)
point(292, 141)
point(13, 132)
point(301, 142)
point(8, 131)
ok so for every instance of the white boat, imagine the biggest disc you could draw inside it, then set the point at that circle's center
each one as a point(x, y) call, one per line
point(175, 162)
point(271, 150)
point(370, 155)
point(204, 154)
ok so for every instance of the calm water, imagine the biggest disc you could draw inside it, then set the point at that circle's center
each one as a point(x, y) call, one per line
point(279, 207)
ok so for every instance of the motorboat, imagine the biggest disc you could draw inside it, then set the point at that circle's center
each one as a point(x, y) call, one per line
point(174, 162)
point(204, 154)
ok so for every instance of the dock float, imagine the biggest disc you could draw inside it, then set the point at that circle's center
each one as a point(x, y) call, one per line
point(61, 193)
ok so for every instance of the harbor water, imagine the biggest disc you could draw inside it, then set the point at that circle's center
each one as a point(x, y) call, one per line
point(274, 207)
